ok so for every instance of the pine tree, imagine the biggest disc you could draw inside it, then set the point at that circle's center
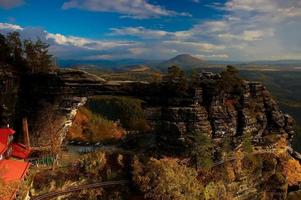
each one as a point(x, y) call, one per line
point(16, 48)
point(200, 150)
point(194, 78)
point(37, 57)
point(177, 83)
point(4, 49)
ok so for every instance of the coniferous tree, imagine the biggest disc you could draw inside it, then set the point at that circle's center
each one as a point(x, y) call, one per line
point(177, 83)
point(200, 150)
point(247, 143)
point(230, 81)
point(16, 48)
point(195, 78)
point(37, 56)
point(4, 50)
point(25, 55)
point(226, 146)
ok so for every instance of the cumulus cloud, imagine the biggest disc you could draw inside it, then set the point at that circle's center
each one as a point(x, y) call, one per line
point(140, 32)
point(213, 56)
point(129, 8)
point(10, 27)
point(198, 46)
point(60, 39)
point(254, 30)
point(72, 47)
point(252, 35)
point(8, 4)
point(250, 30)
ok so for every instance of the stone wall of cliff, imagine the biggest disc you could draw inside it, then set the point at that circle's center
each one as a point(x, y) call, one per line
point(50, 101)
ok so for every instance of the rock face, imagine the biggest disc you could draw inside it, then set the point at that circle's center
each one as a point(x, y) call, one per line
point(225, 116)
point(50, 101)
point(255, 113)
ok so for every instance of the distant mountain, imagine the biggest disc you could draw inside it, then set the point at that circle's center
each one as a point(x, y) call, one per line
point(106, 64)
point(277, 62)
point(185, 61)
point(136, 68)
point(87, 63)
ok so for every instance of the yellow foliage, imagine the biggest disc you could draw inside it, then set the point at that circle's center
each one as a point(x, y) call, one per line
point(230, 172)
point(94, 162)
point(215, 191)
point(167, 179)
point(292, 170)
point(7, 189)
point(93, 128)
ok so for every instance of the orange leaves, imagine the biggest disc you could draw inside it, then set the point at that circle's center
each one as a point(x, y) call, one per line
point(292, 169)
point(91, 127)
point(166, 179)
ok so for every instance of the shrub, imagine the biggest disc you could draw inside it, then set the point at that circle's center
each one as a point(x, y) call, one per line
point(93, 162)
point(230, 81)
point(92, 127)
point(167, 179)
point(292, 170)
point(199, 148)
point(215, 191)
point(176, 81)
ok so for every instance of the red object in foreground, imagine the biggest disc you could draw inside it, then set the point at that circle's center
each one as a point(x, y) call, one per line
point(8, 148)
point(6, 136)
point(20, 151)
point(12, 171)
point(15, 170)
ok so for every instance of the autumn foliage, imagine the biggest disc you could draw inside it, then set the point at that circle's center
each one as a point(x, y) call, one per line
point(7, 189)
point(167, 179)
point(91, 127)
point(292, 169)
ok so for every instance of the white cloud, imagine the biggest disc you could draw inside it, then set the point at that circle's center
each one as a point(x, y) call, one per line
point(254, 29)
point(213, 56)
point(72, 47)
point(10, 27)
point(8, 4)
point(198, 46)
point(129, 8)
point(86, 43)
point(252, 35)
point(250, 30)
point(273, 8)
point(142, 32)
point(139, 32)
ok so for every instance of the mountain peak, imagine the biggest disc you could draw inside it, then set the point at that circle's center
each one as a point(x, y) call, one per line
point(185, 61)
point(186, 57)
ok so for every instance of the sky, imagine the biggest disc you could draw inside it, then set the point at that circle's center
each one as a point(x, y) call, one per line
point(236, 30)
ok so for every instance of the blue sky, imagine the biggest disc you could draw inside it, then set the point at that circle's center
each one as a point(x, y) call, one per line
point(159, 29)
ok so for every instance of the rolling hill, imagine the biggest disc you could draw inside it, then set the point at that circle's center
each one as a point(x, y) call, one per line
point(186, 61)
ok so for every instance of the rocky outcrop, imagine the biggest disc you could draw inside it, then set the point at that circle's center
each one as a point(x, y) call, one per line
point(223, 115)
point(255, 113)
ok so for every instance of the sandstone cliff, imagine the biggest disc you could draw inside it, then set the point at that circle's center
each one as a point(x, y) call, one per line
point(50, 102)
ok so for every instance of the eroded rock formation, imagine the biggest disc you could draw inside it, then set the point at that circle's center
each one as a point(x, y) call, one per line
point(220, 116)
